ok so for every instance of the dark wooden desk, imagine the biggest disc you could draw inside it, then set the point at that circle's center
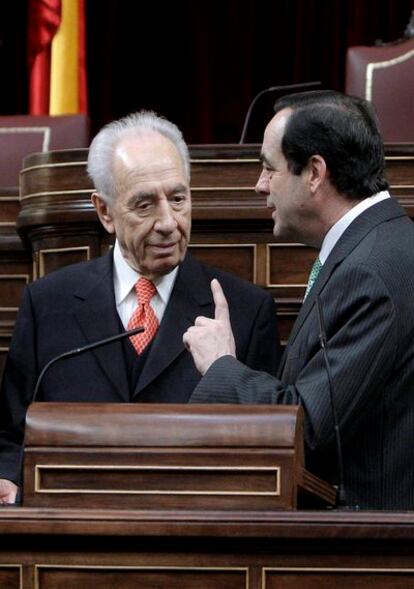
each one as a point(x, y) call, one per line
point(79, 549)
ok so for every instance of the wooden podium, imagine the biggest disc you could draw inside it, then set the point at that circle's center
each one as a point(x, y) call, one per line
point(142, 456)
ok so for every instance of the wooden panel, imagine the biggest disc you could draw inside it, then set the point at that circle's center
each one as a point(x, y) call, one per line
point(209, 479)
point(9, 207)
point(177, 456)
point(11, 288)
point(288, 267)
point(6, 329)
point(233, 173)
point(15, 263)
point(160, 480)
point(286, 317)
point(164, 425)
point(52, 259)
point(61, 175)
point(3, 356)
point(338, 578)
point(10, 576)
point(400, 172)
point(143, 577)
point(13, 279)
point(15, 273)
point(78, 549)
point(238, 259)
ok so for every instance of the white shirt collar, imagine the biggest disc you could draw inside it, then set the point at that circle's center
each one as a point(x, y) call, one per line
point(125, 278)
point(340, 226)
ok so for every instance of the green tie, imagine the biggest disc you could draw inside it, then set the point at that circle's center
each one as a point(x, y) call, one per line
point(313, 275)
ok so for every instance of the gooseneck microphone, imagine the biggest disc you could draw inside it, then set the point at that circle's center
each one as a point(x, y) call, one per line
point(341, 500)
point(77, 351)
point(301, 86)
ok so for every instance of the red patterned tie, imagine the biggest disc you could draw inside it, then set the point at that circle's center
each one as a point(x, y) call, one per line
point(143, 315)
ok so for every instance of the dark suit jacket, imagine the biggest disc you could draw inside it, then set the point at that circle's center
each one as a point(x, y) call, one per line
point(366, 291)
point(76, 306)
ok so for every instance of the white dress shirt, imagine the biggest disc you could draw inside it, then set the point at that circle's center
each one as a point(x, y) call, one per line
point(125, 279)
point(340, 226)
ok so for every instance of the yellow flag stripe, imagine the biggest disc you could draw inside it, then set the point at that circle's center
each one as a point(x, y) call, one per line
point(64, 71)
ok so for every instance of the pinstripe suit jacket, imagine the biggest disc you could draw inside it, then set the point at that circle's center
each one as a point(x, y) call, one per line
point(366, 290)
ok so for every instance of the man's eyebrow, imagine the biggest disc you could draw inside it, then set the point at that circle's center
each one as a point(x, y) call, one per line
point(179, 188)
point(152, 194)
point(141, 196)
point(265, 160)
point(144, 194)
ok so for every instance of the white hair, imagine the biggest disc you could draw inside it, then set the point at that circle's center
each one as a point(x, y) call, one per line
point(101, 150)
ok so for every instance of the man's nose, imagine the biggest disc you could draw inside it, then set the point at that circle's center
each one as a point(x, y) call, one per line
point(166, 221)
point(262, 186)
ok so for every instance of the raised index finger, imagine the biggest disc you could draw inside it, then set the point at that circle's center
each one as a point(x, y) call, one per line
point(222, 309)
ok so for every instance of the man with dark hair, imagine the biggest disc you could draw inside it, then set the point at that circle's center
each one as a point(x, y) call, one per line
point(343, 131)
point(140, 167)
point(323, 178)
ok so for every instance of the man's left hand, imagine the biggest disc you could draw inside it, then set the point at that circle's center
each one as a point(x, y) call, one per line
point(210, 339)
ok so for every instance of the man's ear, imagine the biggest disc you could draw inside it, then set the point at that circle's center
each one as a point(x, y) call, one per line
point(317, 172)
point(104, 212)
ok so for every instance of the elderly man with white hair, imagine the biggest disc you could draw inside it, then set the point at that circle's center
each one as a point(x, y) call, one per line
point(141, 171)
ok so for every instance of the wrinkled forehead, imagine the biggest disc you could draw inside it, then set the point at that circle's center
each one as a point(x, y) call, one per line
point(149, 163)
point(146, 151)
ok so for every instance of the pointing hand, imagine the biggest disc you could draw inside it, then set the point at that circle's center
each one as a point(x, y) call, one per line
point(210, 339)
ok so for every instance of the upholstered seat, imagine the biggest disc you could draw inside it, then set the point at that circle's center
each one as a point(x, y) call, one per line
point(384, 75)
point(24, 134)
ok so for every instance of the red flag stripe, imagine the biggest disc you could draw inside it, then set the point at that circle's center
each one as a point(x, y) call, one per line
point(44, 20)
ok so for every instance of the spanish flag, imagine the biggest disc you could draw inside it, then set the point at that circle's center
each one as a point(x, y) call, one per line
point(57, 57)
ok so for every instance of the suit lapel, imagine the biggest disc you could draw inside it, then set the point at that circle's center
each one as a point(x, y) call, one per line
point(190, 297)
point(98, 319)
point(353, 235)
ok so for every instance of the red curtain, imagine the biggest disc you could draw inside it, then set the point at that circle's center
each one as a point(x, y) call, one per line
point(203, 71)
point(43, 21)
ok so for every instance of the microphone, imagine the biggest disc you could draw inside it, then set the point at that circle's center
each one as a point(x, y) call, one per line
point(77, 351)
point(341, 497)
point(301, 86)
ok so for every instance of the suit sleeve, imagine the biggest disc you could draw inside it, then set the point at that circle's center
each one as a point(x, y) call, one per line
point(17, 389)
point(362, 339)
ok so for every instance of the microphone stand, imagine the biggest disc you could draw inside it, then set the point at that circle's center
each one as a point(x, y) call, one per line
point(83, 349)
point(341, 501)
point(272, 89)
